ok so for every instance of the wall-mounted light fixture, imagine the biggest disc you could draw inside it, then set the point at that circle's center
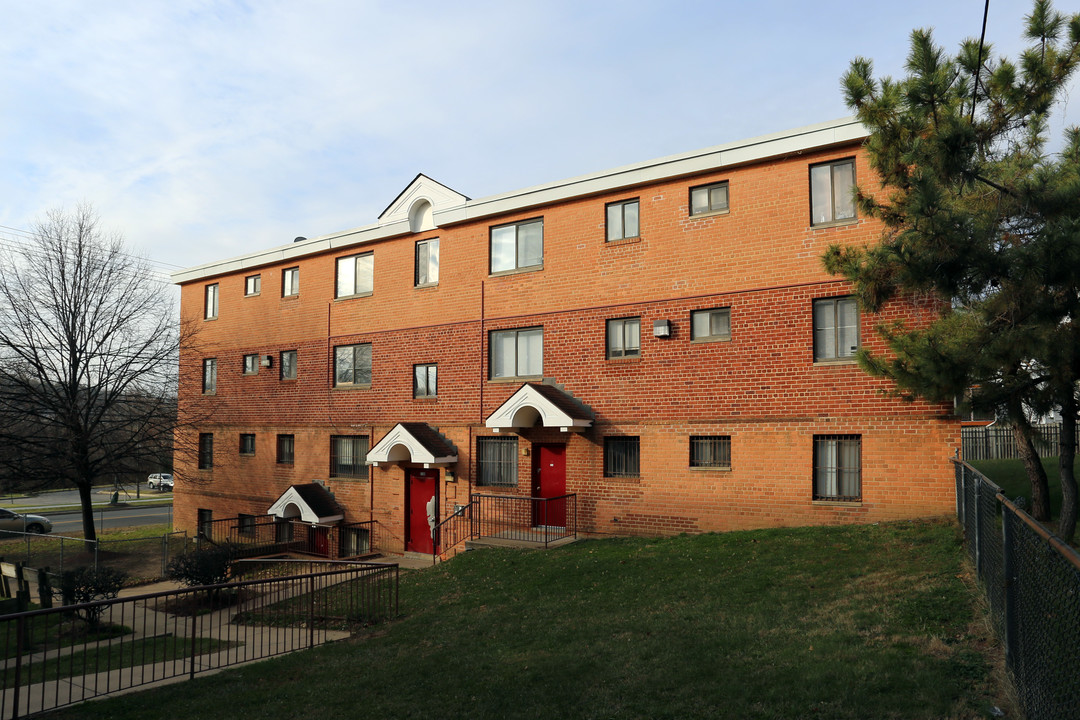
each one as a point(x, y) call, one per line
point(661, 328)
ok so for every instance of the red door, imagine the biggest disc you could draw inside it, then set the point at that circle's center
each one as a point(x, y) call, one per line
point(549, 481)
point(420, 492)
point(319, 540)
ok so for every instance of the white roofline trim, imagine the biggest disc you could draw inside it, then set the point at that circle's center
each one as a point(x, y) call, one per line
point(811, 137)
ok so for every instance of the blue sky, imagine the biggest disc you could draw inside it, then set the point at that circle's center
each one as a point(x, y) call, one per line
point(205, 129)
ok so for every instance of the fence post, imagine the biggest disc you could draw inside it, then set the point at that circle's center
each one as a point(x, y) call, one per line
point(311, 610)
point(1009, 569)
point(978, 528)
point(164, 554)
point(20, 628)
point(194, 635)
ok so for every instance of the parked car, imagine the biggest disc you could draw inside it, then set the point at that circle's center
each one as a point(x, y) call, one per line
point(14, 522)
point(160, 481)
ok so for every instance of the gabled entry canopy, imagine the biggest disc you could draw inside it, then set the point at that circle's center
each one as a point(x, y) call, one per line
point(548, 404)
point(413, 442)
point(311, 503)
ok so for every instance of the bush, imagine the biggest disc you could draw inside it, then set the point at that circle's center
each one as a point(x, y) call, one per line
point(204, 566)
point(86, 585)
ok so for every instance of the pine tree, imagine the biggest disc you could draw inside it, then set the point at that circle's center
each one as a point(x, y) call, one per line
point(979, 215)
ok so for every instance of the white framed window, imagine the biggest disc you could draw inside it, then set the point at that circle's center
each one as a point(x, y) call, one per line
point(209, 377)
point(427, 262)
point(622, 220)
point(517, 353)
point(836, 328)
point(838, 468)
point(624, 337)
point(496, 461)
point(831, 188)
point(352, 365)
point(708, 199)
point(252, 285)
point(355, 275)
point(251, 364)
point(710, 451)
point(288, 364)
point(210, 306)
point(518, 245)
point(425, 380)
point(348, 456)
point(710, 325)
point(290, 282)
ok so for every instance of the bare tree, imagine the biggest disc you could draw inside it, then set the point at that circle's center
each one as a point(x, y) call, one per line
point(89, 343)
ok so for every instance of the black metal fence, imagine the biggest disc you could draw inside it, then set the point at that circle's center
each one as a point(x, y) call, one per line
point(528, 519)
point(140, 558)
point(266, 535)
point(997, 442)
point(65, 655)
point(1032, 582)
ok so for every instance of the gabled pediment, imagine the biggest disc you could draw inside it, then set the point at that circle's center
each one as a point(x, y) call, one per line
point(311, 503)
point(546, 405)
point(418, 203)
point(413, 442)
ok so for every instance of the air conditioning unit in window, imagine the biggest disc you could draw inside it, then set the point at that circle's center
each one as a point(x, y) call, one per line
point(267, 360)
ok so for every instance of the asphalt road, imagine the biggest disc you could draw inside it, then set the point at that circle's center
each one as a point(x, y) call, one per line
point(107, 519)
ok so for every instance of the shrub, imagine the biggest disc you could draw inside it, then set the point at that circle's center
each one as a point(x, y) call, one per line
point(203, 566)
point(86, 585)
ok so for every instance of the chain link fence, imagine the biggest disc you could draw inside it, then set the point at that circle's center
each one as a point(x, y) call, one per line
point(139, 558)
point(1032, 582)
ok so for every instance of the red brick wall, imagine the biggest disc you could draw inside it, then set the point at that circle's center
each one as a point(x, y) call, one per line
point(762, 387)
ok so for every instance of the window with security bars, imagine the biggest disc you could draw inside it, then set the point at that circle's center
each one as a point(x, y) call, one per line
point(710, 451)
point(247, 443)
point(286, 445)
point(838, 468)
point(348, 456)
point(622, 457)
point(246, 525)
point(496, 461)
point(204, 520)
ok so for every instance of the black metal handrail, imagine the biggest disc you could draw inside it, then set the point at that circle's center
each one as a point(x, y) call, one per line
point(59, 656)
point(525, 519)
point(453, 530)
point(266, 535)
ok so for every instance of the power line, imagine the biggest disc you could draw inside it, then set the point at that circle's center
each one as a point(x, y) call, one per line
point(18, 242)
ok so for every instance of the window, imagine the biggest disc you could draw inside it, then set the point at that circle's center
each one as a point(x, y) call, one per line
point(352, 365)
point(285, 449)
point(355, 275)
point(288, 364)
point(348, 456)
point(251, 364)
point(836, 328)
point(496, 461)
point(427, 262)
point(831, 188)
point(838, 468)
point(425, 381)
point(206, 451)
point(517, 246)
point(710, 451)
point(253, 284)
point(621, 457)
point(209, 376)
point(246, 524)
point(709, 199)
point(211, 304)
point(517, 353)
point(624, 338)
point(247, 443)
point(622, 220)
point(710, 325)
point(290, 282)
point(204, 520)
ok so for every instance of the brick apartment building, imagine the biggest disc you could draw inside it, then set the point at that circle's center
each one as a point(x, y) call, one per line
point(659, 341)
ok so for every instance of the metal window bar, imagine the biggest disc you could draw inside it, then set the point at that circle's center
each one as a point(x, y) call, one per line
point(497, 461)
point(710, 451)
point(621, 457)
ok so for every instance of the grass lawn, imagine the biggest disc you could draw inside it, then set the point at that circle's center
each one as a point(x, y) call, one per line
point(113, 656)
point(863, 622)
point(1010, 476)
